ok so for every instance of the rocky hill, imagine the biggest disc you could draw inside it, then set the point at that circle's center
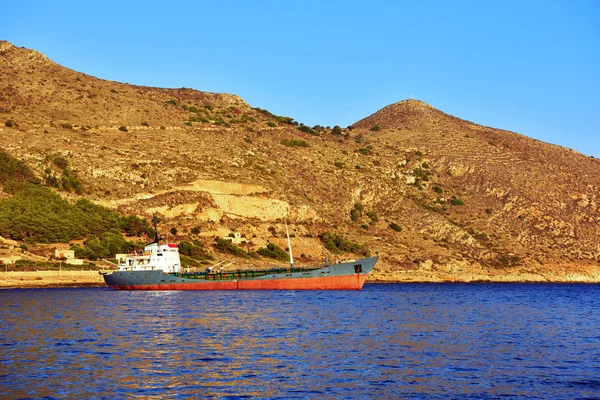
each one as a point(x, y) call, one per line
point(437, 197)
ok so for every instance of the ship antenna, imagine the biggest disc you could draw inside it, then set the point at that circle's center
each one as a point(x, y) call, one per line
point(289, 246)
point(155, 220)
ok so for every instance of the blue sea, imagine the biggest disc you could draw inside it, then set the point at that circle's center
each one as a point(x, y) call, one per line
point(386, 341)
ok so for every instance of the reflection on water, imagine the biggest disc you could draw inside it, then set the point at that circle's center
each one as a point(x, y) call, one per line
point(385, 341)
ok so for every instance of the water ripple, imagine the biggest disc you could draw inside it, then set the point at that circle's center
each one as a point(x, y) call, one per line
point(387, 341)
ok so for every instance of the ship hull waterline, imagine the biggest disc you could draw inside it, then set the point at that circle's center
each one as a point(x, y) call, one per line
point(351, 282)
point(344, 276)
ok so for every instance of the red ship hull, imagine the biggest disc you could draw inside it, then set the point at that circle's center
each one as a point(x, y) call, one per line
point(349, 282)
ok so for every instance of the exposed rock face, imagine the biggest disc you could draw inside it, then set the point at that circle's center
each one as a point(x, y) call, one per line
point(469, 202)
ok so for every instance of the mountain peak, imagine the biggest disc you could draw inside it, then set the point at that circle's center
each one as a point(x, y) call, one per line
point(397, 114)
point(412, 103)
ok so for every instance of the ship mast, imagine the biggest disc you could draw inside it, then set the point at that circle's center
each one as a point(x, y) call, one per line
point(289, 246)
point(155, 221)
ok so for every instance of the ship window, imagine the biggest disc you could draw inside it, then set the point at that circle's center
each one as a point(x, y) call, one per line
point(358, 268)
point(159, 254)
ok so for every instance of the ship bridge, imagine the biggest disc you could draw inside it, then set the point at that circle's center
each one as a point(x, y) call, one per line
point(154, 257)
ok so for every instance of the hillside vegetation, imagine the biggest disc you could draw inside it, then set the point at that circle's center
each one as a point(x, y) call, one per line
point(436, 197)
point(36, 214)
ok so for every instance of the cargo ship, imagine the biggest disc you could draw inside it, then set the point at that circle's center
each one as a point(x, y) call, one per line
point(158, 267)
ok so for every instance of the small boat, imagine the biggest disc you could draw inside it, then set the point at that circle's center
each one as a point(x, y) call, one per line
point(158, 267)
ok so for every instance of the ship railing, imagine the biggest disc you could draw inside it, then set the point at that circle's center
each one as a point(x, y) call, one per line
point(136, 267)
point(241, 273)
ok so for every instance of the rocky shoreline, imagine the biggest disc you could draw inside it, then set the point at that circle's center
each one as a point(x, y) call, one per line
point(570, 273)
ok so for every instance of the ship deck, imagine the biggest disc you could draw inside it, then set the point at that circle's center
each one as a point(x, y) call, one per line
point(243, 274)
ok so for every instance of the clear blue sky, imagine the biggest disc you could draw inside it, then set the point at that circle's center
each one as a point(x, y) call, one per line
point(528, 66)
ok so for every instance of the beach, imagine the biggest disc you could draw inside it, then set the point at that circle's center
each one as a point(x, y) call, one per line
point(38, 279)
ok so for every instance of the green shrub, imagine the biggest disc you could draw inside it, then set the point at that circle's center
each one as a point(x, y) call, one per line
point(456, 202)
point(376, 128)
point(221, 122)
point(266, 113)
point(9, 123)
point(395, 227)
point(295, 143)
point(339, 164)
point(38, 214)
point(144, 123)
point(13, 170)
point(70, 181)
point(373, 216)
point(105, 246)
point(365, 151)
point(226, 246)
point(173, 231)
point(306, 129)
point(172, 102)
point(123, 128)
point(52, 181)
point(338, 244)
point(336, 131)
point(194, 250)
point(195, 230)
point(505, 261)
point(286, 120)
point(356, 212)
point(273, 251)
point(60, 161)
point(421, 175)
point(133, 225)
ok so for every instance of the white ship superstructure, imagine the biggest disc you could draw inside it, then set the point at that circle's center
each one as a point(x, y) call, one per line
point(155, 257)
